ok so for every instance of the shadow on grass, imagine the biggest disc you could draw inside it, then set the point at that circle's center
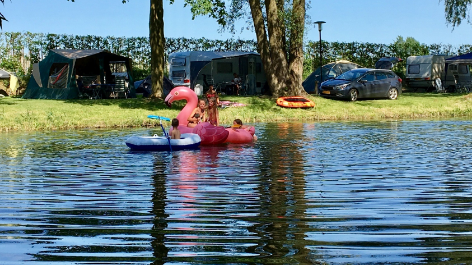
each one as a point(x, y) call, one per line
point(430, 95)
point(6, 101)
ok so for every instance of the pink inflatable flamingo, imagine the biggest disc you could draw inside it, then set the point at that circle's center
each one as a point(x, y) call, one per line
point(208, 133)
point(240, 136)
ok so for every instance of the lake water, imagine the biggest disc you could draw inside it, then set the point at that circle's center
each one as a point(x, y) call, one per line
point(393, 192)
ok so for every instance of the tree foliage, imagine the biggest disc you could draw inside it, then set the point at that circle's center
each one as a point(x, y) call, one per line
point(279, 28)
point(456, 11)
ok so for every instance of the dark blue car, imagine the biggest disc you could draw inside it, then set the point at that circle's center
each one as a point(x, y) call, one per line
point(363, 83)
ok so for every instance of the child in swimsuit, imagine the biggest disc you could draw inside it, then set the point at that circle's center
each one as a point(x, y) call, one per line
point(212, 112)
point(211, 93)
point(193, 119)
point(175, 134)
point(238, 124)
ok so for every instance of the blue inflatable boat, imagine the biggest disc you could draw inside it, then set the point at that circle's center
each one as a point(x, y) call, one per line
point(162, 143)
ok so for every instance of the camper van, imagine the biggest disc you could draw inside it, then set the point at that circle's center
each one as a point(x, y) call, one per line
point(422, 71)
point(198, 69)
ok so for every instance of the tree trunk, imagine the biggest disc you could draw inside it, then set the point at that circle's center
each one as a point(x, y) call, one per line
point(295, 79)
point(157, 41)
point(284, 77)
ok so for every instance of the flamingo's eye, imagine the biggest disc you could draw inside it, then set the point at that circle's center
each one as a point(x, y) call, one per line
point(176, 93)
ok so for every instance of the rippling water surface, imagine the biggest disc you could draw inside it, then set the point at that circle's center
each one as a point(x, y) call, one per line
point(318, 193)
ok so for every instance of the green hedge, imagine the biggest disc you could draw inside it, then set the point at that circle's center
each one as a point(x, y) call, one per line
point(18, 51)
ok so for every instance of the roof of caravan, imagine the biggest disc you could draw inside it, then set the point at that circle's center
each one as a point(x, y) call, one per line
point(208, 55)
point(426, 58)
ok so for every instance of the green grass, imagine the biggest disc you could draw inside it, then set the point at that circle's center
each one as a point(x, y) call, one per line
point(18, 114)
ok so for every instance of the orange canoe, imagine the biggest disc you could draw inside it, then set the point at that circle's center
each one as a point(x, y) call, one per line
point(295, 102)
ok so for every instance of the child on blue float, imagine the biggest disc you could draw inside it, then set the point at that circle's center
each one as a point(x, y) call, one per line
point(175, 134)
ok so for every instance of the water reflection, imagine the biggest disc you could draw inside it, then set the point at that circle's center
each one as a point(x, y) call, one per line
point(342, 193)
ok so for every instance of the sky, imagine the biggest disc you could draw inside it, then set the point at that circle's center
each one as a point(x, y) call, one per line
point(373, 21)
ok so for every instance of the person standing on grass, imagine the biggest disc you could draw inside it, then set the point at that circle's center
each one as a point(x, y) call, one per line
point(236, 82)
point(211, 93)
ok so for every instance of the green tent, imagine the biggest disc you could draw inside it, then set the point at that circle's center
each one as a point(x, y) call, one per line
point(56, 76)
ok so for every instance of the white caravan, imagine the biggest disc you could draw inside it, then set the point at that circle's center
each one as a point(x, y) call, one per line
point(197, 69)
point(422, 72)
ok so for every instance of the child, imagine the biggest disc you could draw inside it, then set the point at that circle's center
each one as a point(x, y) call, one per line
point(238, 124)
point(211, 93)
point(194, 119)
point(175, 134)
point(213, 112)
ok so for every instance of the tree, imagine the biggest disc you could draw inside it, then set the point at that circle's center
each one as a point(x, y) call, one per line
point(157, 43)
point(1, 15)
point(456, 11)
point(279, 27)
point(404, 48)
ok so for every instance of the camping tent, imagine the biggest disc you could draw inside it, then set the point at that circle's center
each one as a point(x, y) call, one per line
point(464, 59)
point(4, 74)
point(330, 70)
point(55, 77)
point(461, 72)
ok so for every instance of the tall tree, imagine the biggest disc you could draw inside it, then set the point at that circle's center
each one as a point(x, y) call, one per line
point(157, 43)
point(456, 11)
point(279, 27)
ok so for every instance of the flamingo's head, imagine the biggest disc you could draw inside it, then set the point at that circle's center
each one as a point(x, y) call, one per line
point(179, 93)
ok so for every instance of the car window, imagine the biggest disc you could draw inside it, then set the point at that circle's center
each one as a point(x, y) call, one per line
point(390, 75)
point(347, 66)
point(337, 70)
point(351, 75)
point(369, 77)
point(380, 76)
point(332, 73)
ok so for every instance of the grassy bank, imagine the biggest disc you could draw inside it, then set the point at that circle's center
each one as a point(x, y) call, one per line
point(29, 115)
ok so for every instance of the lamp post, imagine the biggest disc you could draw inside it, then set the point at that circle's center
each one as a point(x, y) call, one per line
point(320, 23)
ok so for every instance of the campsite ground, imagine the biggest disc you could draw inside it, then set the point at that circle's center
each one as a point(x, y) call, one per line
point(28, 115)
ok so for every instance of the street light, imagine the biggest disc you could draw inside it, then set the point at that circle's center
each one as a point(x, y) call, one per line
point(320, 23)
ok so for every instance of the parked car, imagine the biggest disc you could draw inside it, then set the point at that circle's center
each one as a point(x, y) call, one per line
point(387, 62)
point(330, 71)
point(363, 83)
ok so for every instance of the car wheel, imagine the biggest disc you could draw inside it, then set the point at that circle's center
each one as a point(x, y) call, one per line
point(392, 93)
point(354, 94)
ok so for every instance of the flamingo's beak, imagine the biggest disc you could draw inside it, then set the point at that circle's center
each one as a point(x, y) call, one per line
point(168, 104)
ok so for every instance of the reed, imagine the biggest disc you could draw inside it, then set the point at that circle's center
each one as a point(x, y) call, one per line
point(18, 114)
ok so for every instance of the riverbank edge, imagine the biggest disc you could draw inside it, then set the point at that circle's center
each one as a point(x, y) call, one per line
point(18, 114)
